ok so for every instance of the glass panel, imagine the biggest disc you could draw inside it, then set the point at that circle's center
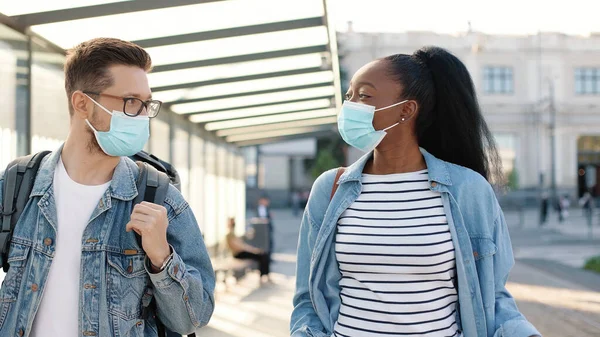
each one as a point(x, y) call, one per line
point(578, 81)
point(270, 119)
point(497, 82)
point(14, 88)
point(589, 83)
point(11, 8)
point(240, 189)
point(509, 81)
point(487, 80)
point(239, 102)
point(239, 45)
point(210, 196)
point(239, 69)
point(260, 111)
point(180, 159)
point(221, 221)
point(250, 155)
point(596, 81)
point(196, 194)
point(245, 86)
point(275, 133)
point(159, 138)
point(277, 126)
point(178, 20)
point(49, 103)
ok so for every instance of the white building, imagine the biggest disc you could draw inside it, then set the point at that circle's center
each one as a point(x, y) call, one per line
point(513, 76)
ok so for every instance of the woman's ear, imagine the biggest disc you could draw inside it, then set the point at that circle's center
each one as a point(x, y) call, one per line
point(409, 110)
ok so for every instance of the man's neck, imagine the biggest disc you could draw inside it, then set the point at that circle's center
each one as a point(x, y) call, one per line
point(84, 167)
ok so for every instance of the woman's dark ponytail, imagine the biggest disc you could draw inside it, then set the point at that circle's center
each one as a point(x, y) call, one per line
point(450, 124)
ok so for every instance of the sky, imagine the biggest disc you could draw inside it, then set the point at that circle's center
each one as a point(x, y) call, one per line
point(520, 17)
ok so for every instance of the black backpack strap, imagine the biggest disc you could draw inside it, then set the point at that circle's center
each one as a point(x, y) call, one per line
point(152, 186)
point(18, 183)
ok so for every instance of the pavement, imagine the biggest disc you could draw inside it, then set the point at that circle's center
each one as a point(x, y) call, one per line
point(548, 283)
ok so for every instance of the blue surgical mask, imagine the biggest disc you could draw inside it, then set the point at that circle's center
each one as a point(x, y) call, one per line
point(355, 124)
point(127, 135)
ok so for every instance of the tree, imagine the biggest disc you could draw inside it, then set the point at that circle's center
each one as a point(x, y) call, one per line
point(513, 179)
point(325, 161)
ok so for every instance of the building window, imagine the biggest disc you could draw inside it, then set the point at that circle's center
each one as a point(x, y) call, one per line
point(587, 81)
point(498, 80)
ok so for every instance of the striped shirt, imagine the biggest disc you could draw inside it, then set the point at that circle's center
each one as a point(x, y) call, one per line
point(397, 261)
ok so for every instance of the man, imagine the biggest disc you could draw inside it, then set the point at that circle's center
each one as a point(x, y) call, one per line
point(263, 212)
point(75, 266)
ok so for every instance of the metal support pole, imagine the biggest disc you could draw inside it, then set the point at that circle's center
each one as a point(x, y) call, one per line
point(553, 142)
point(23, 118)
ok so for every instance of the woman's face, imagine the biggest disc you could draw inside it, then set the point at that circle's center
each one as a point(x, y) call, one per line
point(373, 85)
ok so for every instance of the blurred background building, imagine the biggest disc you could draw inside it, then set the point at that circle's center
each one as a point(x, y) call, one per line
point(528, 86)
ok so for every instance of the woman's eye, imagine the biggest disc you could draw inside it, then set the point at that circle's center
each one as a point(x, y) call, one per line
point(363, 96)
point(347, 96)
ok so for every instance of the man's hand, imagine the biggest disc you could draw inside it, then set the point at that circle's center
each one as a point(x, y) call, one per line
point(150, 222)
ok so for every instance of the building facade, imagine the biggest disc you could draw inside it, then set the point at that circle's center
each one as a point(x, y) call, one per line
point(520, 80)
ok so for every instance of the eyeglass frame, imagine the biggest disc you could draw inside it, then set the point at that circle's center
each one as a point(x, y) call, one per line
point(125, 99)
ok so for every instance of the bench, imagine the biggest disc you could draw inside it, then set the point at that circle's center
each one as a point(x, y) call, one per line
point(230, 266)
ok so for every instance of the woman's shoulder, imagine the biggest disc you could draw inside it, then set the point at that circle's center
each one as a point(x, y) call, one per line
point(320, 193)
point(470, 187)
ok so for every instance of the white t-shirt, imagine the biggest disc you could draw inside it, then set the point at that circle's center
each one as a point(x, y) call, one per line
point(58, 314)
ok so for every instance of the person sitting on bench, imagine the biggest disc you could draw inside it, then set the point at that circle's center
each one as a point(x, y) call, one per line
point(242, 250)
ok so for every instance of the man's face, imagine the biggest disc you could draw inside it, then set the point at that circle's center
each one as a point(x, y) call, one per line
point(127, 82)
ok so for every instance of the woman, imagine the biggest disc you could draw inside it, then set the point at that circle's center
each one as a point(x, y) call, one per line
point(241, 250)
point(413, 242)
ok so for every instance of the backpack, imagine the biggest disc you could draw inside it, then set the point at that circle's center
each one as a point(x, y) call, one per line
point(338, 174)
point(152, 184)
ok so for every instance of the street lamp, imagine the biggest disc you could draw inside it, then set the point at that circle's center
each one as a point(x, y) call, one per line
point(552, 109)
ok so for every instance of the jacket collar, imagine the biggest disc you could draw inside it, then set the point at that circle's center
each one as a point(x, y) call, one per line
point(122, 186)
point(437, 169)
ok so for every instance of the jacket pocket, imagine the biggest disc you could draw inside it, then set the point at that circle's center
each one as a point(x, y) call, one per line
point(483, 252)
point(126, 281)
point(17, 259)
point(482, 248)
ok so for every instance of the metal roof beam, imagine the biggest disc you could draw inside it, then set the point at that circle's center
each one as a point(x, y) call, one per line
point(277, 126)
point(270, 91)
point(279, 133)
point(241, 58)
point(255, 142)
point(87, 12)
point(231, 32)
point(263, 105)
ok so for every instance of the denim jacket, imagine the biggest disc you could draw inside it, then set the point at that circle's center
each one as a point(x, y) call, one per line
point(483, 253)
point(113, 269)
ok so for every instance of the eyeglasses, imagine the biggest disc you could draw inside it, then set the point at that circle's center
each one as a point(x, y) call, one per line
point(133, 106)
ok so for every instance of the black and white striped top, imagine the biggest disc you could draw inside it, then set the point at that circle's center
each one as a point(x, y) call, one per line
point(396, 257)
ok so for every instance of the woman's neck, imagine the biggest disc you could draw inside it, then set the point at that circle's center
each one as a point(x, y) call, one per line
point(400, 159)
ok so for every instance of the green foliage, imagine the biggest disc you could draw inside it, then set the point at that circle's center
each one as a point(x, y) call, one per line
point(325, 161)
point(513, 179)
point(593, 264)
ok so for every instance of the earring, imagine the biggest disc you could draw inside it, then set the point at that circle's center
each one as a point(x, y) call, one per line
point(403, 119)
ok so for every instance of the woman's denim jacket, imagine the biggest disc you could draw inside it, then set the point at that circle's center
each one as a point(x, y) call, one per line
point(484, 254)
